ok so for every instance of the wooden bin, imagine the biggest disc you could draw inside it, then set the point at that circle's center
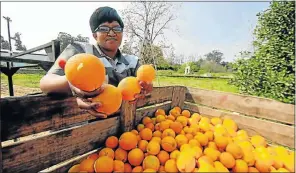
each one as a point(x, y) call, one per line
point(46, 134)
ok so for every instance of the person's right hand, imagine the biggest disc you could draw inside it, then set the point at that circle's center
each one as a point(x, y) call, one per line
point(84, 100)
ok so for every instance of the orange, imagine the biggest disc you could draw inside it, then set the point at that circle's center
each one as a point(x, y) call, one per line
point(80, 70)
point(120, 154)
point(150, 126)
point(252, 169)
point(137, 169)
point(169, 144)
point(151, 162)
point(107, 152)
point(146, 73)
point(240, 166)
point(146, 134)
point(129, 87)
point(128, 141)
point(135, 132)
point(110, 99)
point(135, 157)
point(181, 139)
point(159, 112)
point(140, 127)
point(163, 156)
point(103, 164)
point(177, 127)
point(143, 145)
point(93, 156)
point(186, 113)
point(178, 109)
point(164, 125)
point(146, 120)
point(74, 168)
point(157, 133)
point(227, 160)
point(171, 166)
point(186, 161)
point(174, 154)
point(127, 167)
point(118, 166)
point(153, 148)
point(235, 150)
point(111, 142)
point(168, 132)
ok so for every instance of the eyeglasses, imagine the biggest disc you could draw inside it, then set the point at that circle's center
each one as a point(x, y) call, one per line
point(106, 29)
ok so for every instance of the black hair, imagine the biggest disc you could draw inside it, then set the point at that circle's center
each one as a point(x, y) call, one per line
point(104, 14)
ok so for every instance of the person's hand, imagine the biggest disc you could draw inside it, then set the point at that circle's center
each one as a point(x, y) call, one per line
point(146, 89)
point(90, 107)
point(84, 100)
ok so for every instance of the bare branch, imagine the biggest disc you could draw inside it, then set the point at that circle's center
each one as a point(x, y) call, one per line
point(161, 28)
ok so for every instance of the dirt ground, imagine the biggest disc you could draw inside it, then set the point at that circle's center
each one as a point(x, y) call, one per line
point(18, 90)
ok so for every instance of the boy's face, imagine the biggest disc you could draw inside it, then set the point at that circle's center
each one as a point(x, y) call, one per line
point(109, 35)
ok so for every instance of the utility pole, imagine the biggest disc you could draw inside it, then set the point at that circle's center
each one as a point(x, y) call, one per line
point(10, 51)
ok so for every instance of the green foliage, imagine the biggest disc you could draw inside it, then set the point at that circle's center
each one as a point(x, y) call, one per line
point(270, 71)
point(18, 43)
point(66, 39)
point(215, 56)
point(212, 67)
point(4, 43)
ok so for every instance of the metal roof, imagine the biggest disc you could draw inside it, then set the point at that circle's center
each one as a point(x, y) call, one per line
point(32, 56)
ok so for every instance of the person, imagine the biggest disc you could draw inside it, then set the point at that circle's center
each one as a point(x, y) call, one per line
point(107, 29)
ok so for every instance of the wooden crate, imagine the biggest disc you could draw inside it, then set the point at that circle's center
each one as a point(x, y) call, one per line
point(49, 134)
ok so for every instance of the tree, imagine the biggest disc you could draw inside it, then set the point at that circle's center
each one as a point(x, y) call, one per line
point(146, 21)
point(66, 39)
point(4, 43)
point(215, 56)
point(270, 71)
point(18, 43)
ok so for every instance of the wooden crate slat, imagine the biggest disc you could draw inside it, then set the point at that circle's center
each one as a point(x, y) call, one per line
point(150, 110)
point(66, 165)
point(41, 153)
point(22, 116)
point(1, 162)
point(255, 106)
point(127, 116)
point(158, 95)
point(276, 132)
point(178, 96)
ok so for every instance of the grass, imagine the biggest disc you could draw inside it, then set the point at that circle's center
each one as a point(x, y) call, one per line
point(205, 83)
point(171, 72)
point(26, 80)
point(32, 80)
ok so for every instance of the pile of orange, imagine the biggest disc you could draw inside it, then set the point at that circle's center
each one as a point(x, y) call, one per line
point(181, 141)
point(87, 73)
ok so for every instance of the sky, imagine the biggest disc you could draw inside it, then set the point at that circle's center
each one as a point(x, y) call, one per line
point(203, 26)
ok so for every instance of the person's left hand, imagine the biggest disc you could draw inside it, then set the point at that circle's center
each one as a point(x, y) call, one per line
point(146, 89)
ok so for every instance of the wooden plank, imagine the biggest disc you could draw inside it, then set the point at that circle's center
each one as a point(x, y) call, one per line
point(150, 110)
point(276, 132)
point(178, 96)
point(1, 162)
point(46, 45)
point(127, 116)
point(250, 105)
point(158, 95)
point(38, 154)
point(66, 165)
point(29, 61)
point(27, 115)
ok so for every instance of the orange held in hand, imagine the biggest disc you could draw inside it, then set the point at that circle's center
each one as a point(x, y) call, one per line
point(85, 71)
point(110, 99)
point(146, 73)
point(129, 87)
